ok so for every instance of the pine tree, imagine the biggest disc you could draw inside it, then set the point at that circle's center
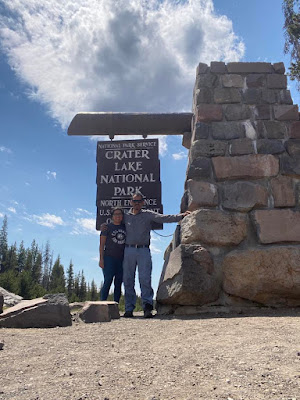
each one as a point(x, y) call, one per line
point(11, 262)
point(57, 278)
point(3, 244)
point(83, 289)
point(21, 257)
point(70, 280)
point(77, 287)
point(36, 271)
point(46, 266)
point(291, 10)
point(93, 293)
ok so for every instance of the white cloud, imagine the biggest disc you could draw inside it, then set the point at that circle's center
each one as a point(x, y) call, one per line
point(1, 215)
point(51, 175)
point(85, 226)
point(80, 211)
point(12, 210)
point(4, 149)
point(113, 55)
point(48, 220)
point(179, 156)
point(95, 259)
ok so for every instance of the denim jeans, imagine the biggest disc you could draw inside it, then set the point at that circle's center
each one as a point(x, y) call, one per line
point(140, 257)
point(112, 269)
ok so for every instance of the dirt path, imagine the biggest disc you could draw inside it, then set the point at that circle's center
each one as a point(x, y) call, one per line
point(209, 357)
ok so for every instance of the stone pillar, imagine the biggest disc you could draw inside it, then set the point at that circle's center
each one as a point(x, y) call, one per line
point(241, 244)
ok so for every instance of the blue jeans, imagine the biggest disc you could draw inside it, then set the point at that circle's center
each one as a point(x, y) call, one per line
point(112, 269)
point(140, 257)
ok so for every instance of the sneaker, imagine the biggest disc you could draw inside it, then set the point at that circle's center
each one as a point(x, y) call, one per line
point(128, 314)
point(148, 311)
point(148, 314)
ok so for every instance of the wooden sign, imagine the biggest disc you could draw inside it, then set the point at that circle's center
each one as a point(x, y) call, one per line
point(124, 168)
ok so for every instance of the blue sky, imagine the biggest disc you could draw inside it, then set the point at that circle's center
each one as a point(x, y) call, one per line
point(57, 60)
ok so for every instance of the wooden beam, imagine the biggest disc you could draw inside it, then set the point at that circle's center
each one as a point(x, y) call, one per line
point(112, 124)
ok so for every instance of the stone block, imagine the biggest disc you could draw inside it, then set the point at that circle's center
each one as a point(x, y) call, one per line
point(218, 67)
point(293, 147)
point(227, 95)
point(95, 311)
point(276, 226)
point(214, 228)
point(47, 312)
point(206, 80)
point(186, 139)
point(290, 165)
point(269, 146)
point(208, 148)
point(256, 80)
point(201, 68)
point(201, 131)
point(235, 112)
point(276, 81)
point(253, 166)
point(203, 95)
point(295, 130)
point(244, 196)
point(252, 96)
point(209, 112)
point(232, 80)
point(201, 194)
point(279, 68)
point(262, 111)
point(283, 191)
point(286, 113)
point(227, 130)
point(271, 129)
point(250, 68)
point(188, 278)
point(270, 276)
point(268, 96)
point(284, 97)
point(239, 147)
point(200, 168)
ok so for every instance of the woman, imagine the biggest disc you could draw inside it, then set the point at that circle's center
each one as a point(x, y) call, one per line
point(112, 243)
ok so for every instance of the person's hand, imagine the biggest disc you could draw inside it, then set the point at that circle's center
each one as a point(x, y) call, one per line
point(103, 227)
point(101, 263)
point(185, 214)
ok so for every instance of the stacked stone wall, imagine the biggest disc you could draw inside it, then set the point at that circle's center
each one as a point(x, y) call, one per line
point(241, 244)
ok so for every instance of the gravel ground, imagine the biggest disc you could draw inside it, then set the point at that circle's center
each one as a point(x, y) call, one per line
point(236, 356)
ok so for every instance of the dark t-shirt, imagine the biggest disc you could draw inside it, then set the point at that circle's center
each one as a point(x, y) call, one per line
point(115, 240)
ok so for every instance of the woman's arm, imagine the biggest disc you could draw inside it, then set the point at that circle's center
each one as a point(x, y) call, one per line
point(101, 250)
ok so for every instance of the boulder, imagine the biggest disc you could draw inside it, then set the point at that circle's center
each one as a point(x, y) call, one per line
point(99, 311)
point(243, 196)
point(1, 303)
point(201, 194)
point(188, 278)
point(283, 191)
point(214, 227)
point(275, 226)
point(45, 312)
point(253, 166)
point(270, 276)
point(10, 299)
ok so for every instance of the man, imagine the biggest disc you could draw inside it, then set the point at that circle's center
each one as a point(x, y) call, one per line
point(137, 253)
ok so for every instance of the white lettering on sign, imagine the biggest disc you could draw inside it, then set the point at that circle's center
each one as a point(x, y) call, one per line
point(120, 155)
point(129, 166)
point(130, 178)
point(128, 191)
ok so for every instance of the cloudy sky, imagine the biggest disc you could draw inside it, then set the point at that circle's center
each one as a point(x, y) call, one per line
point(59, 58)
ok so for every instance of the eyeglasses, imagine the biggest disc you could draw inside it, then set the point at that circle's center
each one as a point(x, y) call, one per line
point(118, 214)
point(137, 201)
